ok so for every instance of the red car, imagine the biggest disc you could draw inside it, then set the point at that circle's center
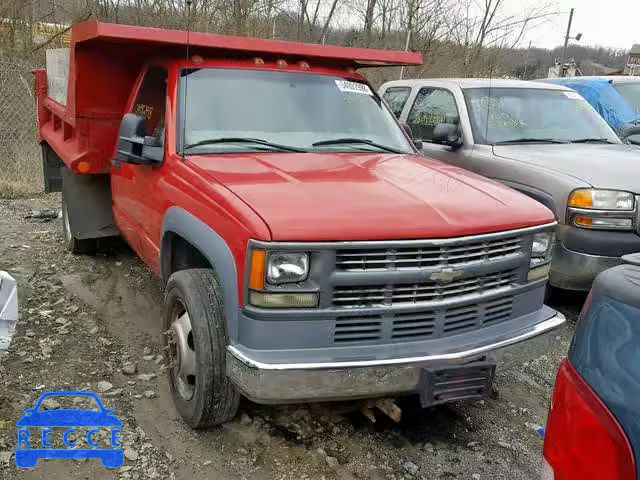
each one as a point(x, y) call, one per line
point(593, 430)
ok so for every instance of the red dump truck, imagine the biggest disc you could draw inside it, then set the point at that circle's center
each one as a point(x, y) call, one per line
point(309, 253)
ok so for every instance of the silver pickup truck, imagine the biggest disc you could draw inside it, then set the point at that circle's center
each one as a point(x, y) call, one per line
point(8, 309)
point(545, 141)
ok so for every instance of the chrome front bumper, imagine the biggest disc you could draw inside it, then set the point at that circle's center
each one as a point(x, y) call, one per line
point(341, 380)
point(576, 271)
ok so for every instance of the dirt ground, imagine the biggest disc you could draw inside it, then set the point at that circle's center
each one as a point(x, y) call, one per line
point(83, 318)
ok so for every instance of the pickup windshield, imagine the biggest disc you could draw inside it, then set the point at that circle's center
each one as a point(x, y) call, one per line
point(286, 111)
point(528, 115)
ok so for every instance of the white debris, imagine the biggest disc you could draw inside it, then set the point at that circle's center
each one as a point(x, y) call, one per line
point(8, 309)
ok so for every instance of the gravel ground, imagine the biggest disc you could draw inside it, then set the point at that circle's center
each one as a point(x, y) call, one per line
point(93, 323)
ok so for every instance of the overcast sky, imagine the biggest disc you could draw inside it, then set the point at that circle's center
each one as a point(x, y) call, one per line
point(607, 23)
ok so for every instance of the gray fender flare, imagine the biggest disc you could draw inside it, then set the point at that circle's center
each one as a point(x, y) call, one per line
point(214, 248)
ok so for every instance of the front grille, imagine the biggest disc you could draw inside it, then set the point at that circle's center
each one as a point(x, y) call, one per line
point(399, 294)
point(381, 258)
point(413, 326)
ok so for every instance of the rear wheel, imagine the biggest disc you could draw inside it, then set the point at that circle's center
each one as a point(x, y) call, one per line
point(196, 338)
point(73, 244)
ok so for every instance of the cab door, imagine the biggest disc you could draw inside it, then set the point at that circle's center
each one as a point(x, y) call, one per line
point(138, 201)
point(432, 106)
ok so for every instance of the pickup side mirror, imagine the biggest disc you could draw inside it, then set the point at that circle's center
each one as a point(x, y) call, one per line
point(631, 135)
point(633, 139)
point(416, 141)
point(134, 146)
point(447, 134)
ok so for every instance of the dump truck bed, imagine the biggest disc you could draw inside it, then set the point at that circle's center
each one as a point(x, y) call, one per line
point(104, 63)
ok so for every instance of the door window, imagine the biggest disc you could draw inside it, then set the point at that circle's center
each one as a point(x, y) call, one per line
point(396, 97)
point(151, 101)
point(432, 106)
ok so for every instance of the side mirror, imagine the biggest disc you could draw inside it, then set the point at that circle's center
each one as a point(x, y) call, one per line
point(134, 146)
point(633, 139)
point(447, 134)
point(416, 141)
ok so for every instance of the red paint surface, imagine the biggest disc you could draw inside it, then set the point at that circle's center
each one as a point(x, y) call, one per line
point(583, 439)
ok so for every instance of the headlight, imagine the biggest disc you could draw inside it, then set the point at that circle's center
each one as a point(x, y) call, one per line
point(602, 200)
point(287, 267)
point(541, 249)
point(601, 209)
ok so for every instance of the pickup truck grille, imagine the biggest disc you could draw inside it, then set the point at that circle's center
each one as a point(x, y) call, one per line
point(380, 258)
point(400, 294)
point(420, 325)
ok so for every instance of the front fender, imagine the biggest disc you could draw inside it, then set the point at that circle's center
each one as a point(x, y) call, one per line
point(214, 248)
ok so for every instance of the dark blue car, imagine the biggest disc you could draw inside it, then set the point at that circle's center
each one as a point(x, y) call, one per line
point(28, 453)
point(593, 430)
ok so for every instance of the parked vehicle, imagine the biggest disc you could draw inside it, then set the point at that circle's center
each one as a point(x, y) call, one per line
point(545, 141)
point(309, 252)
point(616, 98)
point(593, 430)
point(8, 309)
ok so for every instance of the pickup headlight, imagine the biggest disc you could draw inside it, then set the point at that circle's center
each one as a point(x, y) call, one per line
point(274, 279)
point(287, 267)
point(541, 249)
point(602, 209)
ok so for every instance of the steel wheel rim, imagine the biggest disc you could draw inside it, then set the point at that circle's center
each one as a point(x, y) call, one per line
point(182, 354)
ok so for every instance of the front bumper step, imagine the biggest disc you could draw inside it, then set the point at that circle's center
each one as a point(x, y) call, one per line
point(452, 384)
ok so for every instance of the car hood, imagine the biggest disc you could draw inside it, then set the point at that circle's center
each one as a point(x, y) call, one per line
point(600, 165)
point(69, 418)
point(324, 197)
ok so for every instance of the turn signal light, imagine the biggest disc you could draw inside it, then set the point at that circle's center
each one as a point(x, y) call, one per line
point(581, 199)
point(258, 268)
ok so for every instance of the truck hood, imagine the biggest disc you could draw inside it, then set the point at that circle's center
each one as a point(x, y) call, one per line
point(600, 165)
point(325, 197)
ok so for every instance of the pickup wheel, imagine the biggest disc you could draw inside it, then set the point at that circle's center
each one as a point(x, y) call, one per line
point(196, 337)
point(73, 244)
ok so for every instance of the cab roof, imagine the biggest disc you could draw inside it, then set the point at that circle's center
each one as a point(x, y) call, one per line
point(224, 45)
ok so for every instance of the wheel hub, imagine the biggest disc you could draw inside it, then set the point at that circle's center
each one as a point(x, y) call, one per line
point(182, 355)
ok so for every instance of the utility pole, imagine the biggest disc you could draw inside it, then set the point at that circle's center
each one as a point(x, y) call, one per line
point(567, 37)
point(526, 62)
point(406, 48)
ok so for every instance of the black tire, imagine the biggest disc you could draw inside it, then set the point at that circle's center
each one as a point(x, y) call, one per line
point(214, 398)
point(73, 244)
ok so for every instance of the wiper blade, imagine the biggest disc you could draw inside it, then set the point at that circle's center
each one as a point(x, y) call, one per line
point(258, 141)
point(530, 140)
point(589, 140)
point(364, 141)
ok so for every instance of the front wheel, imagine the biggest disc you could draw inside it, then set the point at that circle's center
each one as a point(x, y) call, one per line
point(196, 337)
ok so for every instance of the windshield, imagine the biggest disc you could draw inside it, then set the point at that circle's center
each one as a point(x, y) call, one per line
point(226, 109)
point(510, 115)
point(631, 93)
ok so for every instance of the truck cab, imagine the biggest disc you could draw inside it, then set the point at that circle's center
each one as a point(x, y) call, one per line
point(309, 253)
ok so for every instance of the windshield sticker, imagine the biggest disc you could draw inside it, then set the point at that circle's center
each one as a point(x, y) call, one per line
point(353, 87)
point(573, 95)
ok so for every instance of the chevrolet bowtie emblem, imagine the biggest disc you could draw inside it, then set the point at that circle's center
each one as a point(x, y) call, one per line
point(446, 275)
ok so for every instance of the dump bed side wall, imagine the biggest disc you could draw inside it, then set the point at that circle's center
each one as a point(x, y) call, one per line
point(86, 129)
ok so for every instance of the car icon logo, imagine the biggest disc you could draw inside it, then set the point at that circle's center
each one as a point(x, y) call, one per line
point(31, 448)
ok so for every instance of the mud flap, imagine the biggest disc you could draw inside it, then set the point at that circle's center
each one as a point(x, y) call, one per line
point(89, 205)
point(53, 169)
point(450, 384)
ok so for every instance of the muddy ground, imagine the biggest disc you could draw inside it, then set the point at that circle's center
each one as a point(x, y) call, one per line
point(83, 318)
